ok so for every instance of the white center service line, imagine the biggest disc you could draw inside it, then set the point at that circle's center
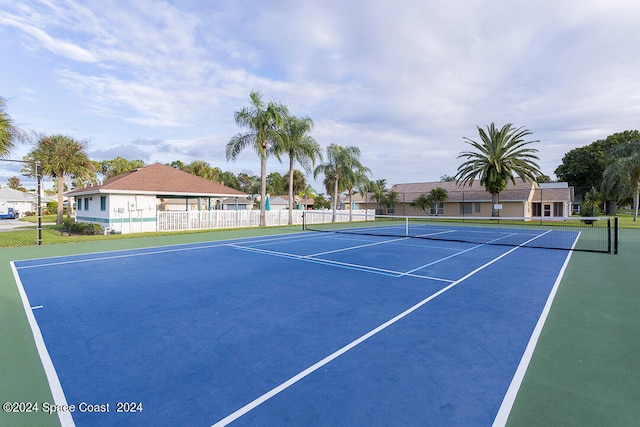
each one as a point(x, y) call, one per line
point(288, 383)
point(355, 247)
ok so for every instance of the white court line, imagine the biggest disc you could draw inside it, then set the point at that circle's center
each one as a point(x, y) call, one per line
point(470, 249)
point(439, 260)
point(510, 396)
point(50, 371)
point(136, 252)
point(365, 268)
point(288, 383)
point(437, 233)
point(356, 247)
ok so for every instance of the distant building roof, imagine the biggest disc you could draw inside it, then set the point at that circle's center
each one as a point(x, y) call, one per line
point(11, 195)
point(159, 179)
point(519, 191)
point(553, 185)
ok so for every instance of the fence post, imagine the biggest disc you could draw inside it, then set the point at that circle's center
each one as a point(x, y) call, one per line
point(38, 202)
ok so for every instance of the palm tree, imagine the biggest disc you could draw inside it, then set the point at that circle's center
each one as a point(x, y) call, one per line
point(499, 157)
point(433, 199)
point(296, 142)
point(390, 200)
point(423, 202)
point(329, 184)
point(306, 194)
point(625, 169)
point(8, 132)
point(60, 155)
point(263, 121)
point(378, 188)
point(356, 178)
point(438, 195)
point(340, 166)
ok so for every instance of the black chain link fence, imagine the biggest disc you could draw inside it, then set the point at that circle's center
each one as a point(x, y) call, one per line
point(20, 203)
point(554, 201)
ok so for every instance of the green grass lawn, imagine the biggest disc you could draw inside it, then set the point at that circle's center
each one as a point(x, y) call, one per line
point(626, 220)
point(54, 234)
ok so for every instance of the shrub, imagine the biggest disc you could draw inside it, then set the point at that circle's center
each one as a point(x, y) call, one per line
point(588, 208)
point(52, 207)
point(81, 227)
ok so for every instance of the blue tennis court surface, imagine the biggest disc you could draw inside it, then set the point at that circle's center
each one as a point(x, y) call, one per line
point(300, 329)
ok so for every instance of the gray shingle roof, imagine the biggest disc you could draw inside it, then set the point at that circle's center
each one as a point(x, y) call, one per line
point(10, 195)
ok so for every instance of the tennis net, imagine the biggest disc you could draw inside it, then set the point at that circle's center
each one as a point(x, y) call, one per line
point(596, 234)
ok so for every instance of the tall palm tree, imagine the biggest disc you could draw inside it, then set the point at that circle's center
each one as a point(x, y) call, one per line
point(356, 178)
point(500, 155)
point(625, 170)
point(329, 184)
point(340, 166)
point(296, 142)
point(60, 155)
point(306, 194)
point(378, 188)
point(263, 121)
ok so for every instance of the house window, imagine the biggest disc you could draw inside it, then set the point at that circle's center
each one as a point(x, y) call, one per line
point(79, 207)
point(478, 207)
point(537, 209)
point(547, 210)
point(436, 208)
point(466, 208)
point(86, 203)
point(558, 209)
point(103, 203)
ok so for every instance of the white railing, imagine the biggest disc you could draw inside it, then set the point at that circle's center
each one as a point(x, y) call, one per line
point(205, 220)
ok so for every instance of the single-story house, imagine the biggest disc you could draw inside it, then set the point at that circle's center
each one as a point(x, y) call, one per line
point(522, 199)
point(277, 203)
point(18, 201)
point(130, 202)
point(236, 203)
point(280, 202)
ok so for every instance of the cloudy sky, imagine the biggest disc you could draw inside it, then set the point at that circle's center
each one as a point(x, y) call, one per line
point(403, 80)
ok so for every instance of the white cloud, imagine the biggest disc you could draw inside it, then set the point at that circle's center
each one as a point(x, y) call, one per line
point(404, 81)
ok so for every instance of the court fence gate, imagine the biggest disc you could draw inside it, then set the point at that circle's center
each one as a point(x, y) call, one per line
point(20, 197)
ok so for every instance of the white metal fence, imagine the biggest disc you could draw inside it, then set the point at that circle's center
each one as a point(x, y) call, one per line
point(204, 220)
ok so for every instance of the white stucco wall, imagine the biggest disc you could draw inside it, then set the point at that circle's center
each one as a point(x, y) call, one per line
point(123, 213)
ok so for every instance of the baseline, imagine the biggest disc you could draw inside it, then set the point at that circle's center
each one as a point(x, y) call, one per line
point(153, 250)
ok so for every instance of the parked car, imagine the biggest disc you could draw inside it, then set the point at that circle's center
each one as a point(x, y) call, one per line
point(11, 214)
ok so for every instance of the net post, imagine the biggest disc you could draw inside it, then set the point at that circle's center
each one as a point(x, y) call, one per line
point(616, 229)
point(608, 235)
point(303, 219)
point(406, 227)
